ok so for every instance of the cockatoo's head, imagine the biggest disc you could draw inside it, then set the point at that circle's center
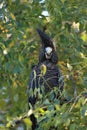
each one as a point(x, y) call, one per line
point(48, 48)
point(48, 52)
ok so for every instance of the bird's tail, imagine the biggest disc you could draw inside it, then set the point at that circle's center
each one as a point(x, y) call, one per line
point(34, 121)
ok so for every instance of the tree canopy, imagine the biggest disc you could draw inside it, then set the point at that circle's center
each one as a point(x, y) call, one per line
point(66, 22)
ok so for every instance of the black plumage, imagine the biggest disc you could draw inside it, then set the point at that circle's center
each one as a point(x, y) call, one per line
point(45, 75)
point(51, 78)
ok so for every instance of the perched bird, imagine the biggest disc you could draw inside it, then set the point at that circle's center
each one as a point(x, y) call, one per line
point(46, 74)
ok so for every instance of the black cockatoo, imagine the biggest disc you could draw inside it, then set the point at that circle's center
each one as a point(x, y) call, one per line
point(46, 74)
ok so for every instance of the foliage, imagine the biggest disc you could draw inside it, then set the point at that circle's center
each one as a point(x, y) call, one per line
point(19, 48)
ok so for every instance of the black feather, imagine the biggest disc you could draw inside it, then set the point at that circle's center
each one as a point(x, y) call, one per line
point(34, 122)
point(54, 58)
point(45, 39)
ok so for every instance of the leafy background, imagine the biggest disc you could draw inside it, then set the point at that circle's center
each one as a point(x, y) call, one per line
point(66, 23)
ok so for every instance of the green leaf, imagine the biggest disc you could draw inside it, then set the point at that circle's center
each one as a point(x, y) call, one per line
point(16, 97)
point(46, 102)
point(51, 107)
point(83, 110)
point(73, 126)
point(28, 122)
point(58, 121)
point(67, 122)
